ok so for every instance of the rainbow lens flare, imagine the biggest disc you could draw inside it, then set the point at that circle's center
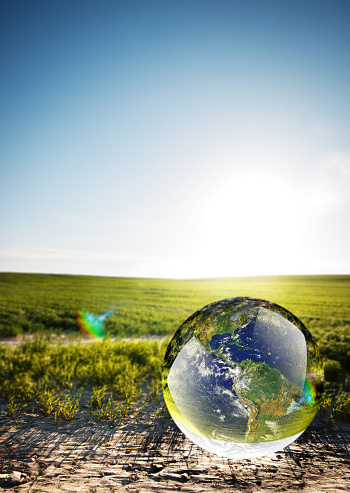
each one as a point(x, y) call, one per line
point(92, 325)
point(309, 393)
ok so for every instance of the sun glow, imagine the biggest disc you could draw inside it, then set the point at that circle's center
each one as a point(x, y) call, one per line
point(253, 221)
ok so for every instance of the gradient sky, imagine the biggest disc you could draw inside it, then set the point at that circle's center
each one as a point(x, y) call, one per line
point(175, 139)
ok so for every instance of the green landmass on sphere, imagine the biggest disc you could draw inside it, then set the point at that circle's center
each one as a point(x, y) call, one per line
point(269, 396)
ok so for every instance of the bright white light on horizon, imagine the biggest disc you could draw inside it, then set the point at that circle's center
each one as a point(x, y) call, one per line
point(255, 222)
point(247, 225)
point(258, 225)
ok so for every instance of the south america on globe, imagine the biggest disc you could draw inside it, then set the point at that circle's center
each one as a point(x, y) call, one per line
point(242, 377)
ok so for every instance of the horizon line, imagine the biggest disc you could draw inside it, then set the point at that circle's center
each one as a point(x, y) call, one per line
point(172, 278)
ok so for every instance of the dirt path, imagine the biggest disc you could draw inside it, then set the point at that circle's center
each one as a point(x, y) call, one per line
point(152, 455)
point(63, 339)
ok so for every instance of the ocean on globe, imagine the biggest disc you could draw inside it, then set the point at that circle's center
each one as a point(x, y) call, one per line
point(242, 378)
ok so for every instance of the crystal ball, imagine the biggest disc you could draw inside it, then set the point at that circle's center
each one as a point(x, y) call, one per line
point(242, 377)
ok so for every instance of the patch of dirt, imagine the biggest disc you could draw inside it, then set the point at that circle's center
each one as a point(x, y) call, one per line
point(153, 456)
point(65, 339)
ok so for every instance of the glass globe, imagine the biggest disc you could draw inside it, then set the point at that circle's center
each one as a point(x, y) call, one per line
point(242, 377)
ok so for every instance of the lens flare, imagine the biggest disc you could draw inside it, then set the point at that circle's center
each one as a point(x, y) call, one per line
point(92, 325)
point(309, 393)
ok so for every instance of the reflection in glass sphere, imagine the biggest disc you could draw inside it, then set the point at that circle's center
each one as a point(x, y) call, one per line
point(242, 377)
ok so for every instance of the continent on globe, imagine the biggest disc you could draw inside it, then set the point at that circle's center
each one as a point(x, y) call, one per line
point(268, 396)
point(242, 377)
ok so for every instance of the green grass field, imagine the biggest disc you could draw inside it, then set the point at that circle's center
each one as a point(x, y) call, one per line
point(48, 376)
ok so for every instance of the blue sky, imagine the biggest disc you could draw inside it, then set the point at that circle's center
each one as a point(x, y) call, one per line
point(175, 139)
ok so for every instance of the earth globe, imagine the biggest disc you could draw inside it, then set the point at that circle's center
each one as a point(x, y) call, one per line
point(242, 378)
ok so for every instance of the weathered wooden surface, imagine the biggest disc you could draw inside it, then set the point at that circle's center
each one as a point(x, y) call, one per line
point(152, 455)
